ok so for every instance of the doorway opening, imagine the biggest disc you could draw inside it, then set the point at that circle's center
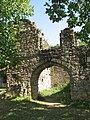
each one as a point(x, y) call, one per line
point(54, 85)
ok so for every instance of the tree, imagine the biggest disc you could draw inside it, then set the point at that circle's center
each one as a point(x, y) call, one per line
point(77, 13)
point(11, 11)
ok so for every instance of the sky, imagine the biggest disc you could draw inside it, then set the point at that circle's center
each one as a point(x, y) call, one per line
point(51, 30)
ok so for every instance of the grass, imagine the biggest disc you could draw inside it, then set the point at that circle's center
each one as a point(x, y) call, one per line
point(61, 95)
point(20, 108)
point(57, 94)
point(25, 109)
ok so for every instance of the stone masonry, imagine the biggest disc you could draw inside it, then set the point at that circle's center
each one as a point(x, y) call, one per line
point(35, 57)
point(59, 77)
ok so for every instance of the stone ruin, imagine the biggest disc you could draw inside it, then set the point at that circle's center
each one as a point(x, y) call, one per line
point(35, 56)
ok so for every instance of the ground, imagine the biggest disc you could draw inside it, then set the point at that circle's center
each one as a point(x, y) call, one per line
point(24, 109)
point(19, 108)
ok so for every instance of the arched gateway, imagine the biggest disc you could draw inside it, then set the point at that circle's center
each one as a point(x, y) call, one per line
point(45, 63)
point(35, 56)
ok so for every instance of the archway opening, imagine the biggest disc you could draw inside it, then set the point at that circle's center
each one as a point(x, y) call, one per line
point(54, 85)
point(36, 76)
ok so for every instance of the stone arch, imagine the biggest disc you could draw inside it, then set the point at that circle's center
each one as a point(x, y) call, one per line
point(36, 73)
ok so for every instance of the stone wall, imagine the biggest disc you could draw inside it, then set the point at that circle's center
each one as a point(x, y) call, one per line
point(59, 77)
point(35, 57)
point(75, 58)
point(30, 41)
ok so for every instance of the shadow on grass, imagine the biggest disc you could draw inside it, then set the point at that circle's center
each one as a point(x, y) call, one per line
point(24, 109)
point(63, 97)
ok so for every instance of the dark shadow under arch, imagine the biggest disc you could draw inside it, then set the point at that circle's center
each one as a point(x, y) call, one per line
point(36, 73)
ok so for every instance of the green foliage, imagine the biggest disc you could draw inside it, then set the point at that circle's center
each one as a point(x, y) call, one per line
point(11, 11)
point(82, 44)
point(77, 13)
point(56, 46)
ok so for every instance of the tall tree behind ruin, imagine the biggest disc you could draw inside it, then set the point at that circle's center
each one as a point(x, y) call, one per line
point(77, 13)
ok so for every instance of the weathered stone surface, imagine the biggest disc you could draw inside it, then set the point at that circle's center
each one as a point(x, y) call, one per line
point(35, 57)
point(59, 77)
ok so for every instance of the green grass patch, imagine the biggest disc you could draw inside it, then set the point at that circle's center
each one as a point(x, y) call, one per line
point(57, 94)
point(61, 95)
point(52, 91)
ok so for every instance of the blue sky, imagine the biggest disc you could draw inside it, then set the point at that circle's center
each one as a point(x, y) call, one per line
point(51, 30)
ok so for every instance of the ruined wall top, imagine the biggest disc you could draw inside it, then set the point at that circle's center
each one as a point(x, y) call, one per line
point(67, 37)
point(31, 38)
